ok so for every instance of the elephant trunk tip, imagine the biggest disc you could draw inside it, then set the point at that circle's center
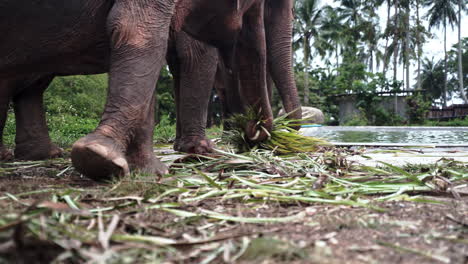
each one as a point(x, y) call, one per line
point(297, 115)
point(259, 131)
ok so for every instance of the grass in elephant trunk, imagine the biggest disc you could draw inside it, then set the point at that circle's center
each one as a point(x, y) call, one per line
point(283, 139)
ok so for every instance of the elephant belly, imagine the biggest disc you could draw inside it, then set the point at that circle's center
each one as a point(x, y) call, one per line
point(63, 37)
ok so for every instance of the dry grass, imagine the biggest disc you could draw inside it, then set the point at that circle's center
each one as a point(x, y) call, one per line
point(229, 207)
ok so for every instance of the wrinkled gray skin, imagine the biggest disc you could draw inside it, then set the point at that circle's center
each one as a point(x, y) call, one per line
point(194, 63)
point(128, 39)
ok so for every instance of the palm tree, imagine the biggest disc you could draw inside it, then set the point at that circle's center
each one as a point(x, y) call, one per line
point(396, 44)
point(308, 17)
point(432, 78)
point(419, 44)
point(360, 31)
point(386, 36)
point(407, 5)
point(442, 12)
point(332, 31)
point(460, 64)
point(355, 16)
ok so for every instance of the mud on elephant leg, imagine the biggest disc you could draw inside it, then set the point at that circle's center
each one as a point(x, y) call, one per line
point(32, 136)
point(138, 46)
point(196, 67)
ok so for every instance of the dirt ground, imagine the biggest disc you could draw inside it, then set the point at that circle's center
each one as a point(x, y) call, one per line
point(435, 231)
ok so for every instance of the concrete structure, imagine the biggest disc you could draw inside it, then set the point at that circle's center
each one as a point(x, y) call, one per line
point(349, 110)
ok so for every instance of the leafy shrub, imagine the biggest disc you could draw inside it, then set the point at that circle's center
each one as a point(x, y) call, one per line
point(10, 130)
point(418, 108)
point(357, 120)
point(83, 95)
point(63, 129)
point(455, 122)
point(66, 129)
point(165, 131)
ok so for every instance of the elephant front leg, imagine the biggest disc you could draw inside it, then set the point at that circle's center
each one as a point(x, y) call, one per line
point(32, 135)
point(5, 95)
point(138, 46)
point(194, 82)
point(252, 72)
point(140, 155)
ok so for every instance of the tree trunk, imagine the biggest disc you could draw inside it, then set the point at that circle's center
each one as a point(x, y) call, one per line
point(306, 71)
point(337, 57)
point(385, 65)
point(418, 39)
point(395, 53)
point(460, 65)
point(445, 64)
point(407, 48)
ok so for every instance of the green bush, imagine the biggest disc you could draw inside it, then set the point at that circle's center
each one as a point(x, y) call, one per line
point(418, 108)
point(455, 122)
point(10, 130)
point(165, 131)
point(66, 129)
point(83, 96)
point(357, 120)
point(63, 129)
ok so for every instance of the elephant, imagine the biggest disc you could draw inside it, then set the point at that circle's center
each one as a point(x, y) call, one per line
point(194, 63)
point(127, 39)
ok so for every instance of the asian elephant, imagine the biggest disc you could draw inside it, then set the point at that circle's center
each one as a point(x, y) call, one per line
point(128, 39)
point(196, 64)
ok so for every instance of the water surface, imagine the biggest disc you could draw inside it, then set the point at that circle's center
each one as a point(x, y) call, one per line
point(413, 135)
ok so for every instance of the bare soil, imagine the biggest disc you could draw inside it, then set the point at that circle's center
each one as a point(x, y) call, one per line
point(406, 232)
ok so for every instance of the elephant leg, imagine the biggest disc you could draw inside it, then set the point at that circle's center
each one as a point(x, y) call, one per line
point(140, 155)
point(139, 35)
point(278, 30)
point(197, 65)
point(174, 66)
point(32, 135)
point(6, 91)
point(252, 72)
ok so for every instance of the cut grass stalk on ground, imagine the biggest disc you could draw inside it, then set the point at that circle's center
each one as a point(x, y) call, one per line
point(215, 208)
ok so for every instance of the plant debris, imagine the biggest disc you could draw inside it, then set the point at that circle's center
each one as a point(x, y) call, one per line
point(228, 207)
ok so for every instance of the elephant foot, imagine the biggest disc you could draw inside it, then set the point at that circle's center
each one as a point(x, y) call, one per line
point(99, 157)
point(55, 151)
point(5, 154)
point(37, 151)
point(194, 145)
point(147, 163)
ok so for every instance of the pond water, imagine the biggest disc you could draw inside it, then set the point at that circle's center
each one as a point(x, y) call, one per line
point(413, 135)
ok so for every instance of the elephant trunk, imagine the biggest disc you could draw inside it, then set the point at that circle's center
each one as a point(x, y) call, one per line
point(278, 29)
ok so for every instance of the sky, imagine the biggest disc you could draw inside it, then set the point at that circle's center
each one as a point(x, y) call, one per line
point(434, 47)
